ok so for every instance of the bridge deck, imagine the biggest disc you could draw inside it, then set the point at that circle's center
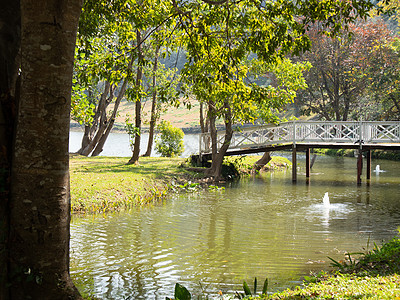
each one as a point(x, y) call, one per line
point(364, 136)
point(304, 146)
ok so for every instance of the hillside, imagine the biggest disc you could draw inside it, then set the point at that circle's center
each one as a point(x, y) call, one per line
point(181, 117)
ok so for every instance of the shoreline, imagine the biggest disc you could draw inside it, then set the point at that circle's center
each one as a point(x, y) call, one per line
point(105, 184)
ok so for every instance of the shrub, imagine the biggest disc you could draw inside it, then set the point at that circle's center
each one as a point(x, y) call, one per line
point(169, 142)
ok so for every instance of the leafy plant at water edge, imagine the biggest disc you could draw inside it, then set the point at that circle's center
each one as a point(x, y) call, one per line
point(215, 188)
point(187, 187)
point(382, 260)
point(348, 263)
point(247, 291)
point(181, 293)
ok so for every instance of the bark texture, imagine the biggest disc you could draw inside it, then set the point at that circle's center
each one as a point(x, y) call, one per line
point(10, 38)
point(40, 203)
point(259, 164)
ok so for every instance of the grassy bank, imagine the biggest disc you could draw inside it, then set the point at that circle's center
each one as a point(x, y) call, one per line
point(374, 275)
point(103, 184)
point(377, 154)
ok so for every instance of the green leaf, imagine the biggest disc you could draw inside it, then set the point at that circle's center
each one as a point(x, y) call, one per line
point(246, 289)
point(265, 287)
point(181, 293)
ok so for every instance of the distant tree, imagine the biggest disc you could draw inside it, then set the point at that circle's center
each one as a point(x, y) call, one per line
point(344, 68)
point(384, 102)
point(162, 88)
point(111, 56)
point(169, 142)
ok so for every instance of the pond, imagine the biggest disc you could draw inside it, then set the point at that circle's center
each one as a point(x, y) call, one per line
point(260, 226)
point(118, 144)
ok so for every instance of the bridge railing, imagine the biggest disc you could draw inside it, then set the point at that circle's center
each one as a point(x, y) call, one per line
point(307, 132)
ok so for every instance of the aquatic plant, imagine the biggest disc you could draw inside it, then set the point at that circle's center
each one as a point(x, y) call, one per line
point(181, 293)
point(382, 260)
point(247, 291)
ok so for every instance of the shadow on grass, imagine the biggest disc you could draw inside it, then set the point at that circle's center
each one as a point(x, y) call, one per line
point(156, 167)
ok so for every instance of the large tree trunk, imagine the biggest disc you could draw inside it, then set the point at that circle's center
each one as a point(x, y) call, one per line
point(218, 156)
point(40, 204)
point(138, 104)
point(10, 39)
point(153, 116)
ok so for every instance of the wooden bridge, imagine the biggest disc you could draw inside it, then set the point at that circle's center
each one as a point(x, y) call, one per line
point(303, 136)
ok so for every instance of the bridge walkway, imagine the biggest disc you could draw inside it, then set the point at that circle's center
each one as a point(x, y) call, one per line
point(305, 135)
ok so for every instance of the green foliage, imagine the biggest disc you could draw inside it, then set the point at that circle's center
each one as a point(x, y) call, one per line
point(382, 260)
point(222, 40)
point(247, 292)
point(181, 293)
point(185, 187)
point(131, 129)
point(169, 142)
point(345, 286)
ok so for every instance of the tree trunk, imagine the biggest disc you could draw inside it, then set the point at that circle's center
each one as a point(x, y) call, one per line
point(10, 39)
point(108, 124)
point(153, 116)
point(90, 140)
point(259, 164)
point(218, 156)
point(40, 204)
point(202, 125)
point(138, 104)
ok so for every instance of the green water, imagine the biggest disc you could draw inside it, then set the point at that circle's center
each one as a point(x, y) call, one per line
point(262, 226)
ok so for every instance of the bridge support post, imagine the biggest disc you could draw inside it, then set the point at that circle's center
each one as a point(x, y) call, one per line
point(308, 165)
point(368, 165)
point(294, 164)
point(359, 167)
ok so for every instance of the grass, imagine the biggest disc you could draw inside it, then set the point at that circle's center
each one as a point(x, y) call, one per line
point(345, 286)
point(379, 154)
point(244, 164)
point(374, 275)
point(103, 184)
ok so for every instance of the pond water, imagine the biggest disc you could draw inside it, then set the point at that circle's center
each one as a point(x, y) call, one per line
point(260, 226)
point(118, 144)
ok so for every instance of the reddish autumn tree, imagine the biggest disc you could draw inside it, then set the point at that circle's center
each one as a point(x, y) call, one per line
point(344, 69)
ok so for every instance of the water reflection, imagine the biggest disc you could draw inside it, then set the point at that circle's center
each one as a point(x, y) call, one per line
point(262, 226)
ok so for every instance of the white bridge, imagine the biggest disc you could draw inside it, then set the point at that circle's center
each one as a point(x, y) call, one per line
point(297, 135)
point(321, 134)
